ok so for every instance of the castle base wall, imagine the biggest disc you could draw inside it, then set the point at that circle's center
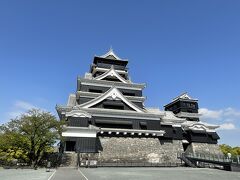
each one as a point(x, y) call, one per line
point(204, 148)
point(138, 150)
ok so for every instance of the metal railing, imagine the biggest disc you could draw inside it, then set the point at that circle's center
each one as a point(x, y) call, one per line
point(210, 157)
point(136, 164)
point(214, 158)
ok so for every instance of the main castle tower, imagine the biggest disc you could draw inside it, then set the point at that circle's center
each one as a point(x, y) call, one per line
point(106, 120)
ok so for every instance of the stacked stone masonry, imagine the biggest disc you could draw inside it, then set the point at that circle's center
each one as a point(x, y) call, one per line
point(149, 150)
point(204, 148)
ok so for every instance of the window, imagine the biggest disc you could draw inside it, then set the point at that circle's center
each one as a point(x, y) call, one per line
point(128, 94)
point(143, 125)
point(70, 145)
point(193, 106)
point(108, 106)
point(123, 75)
point(98, 74)
point(95, 90)
point(111, 79)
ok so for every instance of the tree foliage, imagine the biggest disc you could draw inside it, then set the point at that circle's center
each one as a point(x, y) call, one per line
point(28, 137)
point(235, 151)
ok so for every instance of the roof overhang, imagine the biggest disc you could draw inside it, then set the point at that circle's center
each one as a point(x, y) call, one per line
point(112, 73)
point(190, 115)
point(94, 95)
point(103, 83)
point(97, 112)
point(199, 126)
point(99, 69)
point(183, 100)
point(79, 132)
point(123, 62)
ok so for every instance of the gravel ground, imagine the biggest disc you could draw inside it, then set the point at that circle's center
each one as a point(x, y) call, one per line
point(158, 173)
point(25, 174)
point(119, 174)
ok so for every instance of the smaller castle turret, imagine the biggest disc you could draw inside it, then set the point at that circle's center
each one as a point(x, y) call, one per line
point(184, 106)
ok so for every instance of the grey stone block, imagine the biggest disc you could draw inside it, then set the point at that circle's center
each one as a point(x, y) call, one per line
point(139, 150)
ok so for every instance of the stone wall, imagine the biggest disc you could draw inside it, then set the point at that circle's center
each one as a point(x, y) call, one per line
point(127, 149)
point(204, 148)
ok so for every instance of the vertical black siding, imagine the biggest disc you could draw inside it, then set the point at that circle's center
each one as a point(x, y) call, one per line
point(78, 122)
point(153, 125)
point(86, 145)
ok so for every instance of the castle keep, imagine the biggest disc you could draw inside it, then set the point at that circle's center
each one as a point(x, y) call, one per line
point(107, 120)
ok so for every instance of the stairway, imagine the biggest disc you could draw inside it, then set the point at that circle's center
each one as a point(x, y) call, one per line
point(69, 159)
point(186, 160)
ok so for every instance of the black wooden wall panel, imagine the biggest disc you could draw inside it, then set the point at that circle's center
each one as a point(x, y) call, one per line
point(153, 125)
point(78, 121)
point(86, 145)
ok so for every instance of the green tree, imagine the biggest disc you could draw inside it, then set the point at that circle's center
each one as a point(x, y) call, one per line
point(225, 148)
point(29, 136)
point(12, 146)
point(235, 151)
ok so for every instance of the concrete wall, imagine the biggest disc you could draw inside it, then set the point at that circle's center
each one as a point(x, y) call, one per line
point(128, 149)
point(204, 148)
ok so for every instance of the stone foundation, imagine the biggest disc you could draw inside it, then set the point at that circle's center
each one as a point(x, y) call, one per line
point(204, 148)
point(138, 150)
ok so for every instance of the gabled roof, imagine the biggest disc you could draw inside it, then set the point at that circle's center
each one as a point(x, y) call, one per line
point(199, 126)
point(111, 72)
point(115, 94)
point(71, 100)
point(184, 96)
point(93, 82)
point(111, 55)
point(78, 113)
point(93, 95)
point(170, 117)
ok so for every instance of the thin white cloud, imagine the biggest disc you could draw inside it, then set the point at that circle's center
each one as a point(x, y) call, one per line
point(228, 113)
point(229, 121)
point(232, 112)
point(24, 105)
point(227, 118)
point(210, 114)
point(227, 126)
point(19, 107)
point(14, 114)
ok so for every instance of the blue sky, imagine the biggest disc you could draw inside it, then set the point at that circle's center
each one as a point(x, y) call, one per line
point(173, 46)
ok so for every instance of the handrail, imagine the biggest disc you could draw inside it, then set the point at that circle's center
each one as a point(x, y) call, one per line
point(209, 157)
